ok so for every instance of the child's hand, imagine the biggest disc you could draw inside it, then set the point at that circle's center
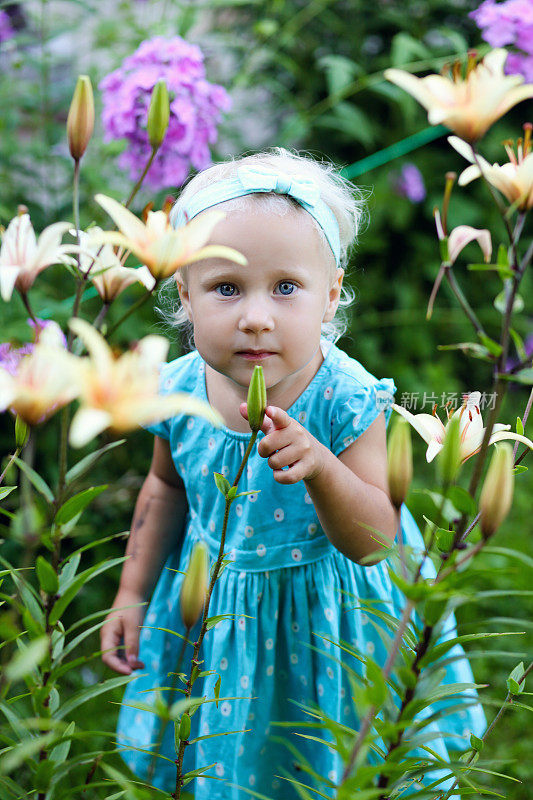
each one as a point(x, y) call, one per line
point(287, 443)
point(122, 625)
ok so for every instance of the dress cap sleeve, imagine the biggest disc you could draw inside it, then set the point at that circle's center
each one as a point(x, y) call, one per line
point(358, 407)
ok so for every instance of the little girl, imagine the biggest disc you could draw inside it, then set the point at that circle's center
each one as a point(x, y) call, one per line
point(320, 501)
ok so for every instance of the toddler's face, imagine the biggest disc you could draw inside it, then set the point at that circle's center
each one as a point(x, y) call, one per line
point(275, 304)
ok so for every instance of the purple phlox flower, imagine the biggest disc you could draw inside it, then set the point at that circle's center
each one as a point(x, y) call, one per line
point(528, 347)
point(509, 23)
point(10, 356)
point(409, 183)
point(195, 110)
point(6, 29)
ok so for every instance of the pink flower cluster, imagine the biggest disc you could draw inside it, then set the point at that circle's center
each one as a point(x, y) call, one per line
point(508, 23)
point(6, 30)
point(11, 356)
point(195, 110)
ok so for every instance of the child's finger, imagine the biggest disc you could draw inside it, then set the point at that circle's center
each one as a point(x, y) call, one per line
point(131, 642)
point(279, 417)
point(110, 641)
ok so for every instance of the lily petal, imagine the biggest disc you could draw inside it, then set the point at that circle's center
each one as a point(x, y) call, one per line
point(428, 426)
point(86, 424)
point(463, 235)
point(129, 224)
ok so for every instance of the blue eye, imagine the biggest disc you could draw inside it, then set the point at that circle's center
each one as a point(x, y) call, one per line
point(222, 286)
point(287, 284)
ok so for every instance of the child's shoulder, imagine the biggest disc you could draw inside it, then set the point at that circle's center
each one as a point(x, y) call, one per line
point(349, 375)
point(181, 374)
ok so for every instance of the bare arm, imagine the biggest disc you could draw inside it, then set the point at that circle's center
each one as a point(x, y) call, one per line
point(351, 495)
point(157, 523)
point(156, 527)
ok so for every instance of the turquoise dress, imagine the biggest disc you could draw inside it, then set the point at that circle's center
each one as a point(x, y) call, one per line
point(291, 592)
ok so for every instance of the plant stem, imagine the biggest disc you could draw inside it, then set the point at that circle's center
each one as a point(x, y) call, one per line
point(214, 576)
point(138, 303)
point(141, 179)
point(11, 459)
point(465, 305)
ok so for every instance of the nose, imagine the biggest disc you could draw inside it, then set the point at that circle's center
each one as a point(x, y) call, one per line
point(255, 315)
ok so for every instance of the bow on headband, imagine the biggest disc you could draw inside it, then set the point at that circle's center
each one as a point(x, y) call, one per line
point(258, 179)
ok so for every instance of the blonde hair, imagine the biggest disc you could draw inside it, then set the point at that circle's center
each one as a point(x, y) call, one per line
point(346, 201)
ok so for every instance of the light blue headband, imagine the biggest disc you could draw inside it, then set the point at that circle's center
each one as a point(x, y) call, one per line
point(249, 180)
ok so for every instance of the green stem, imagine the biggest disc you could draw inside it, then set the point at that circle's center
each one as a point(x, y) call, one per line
point(138, 303)
point(141, 179)
point(214, 576)
point(465, 305)
point(11, 459)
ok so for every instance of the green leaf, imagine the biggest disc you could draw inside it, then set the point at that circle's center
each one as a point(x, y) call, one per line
point(83, 466)
point(440, 649)
point(231, 492)
point(519, 344)
point(519, 468)
point(61, 604)
point(39, 483)
point(76, 504)
point(47, 576)
point(89, 693)
point(340, 71)
point(519, 427)
point(503, 272)
point(493, 347)
point(211, 622)
point(377, 688)
point(444, 539)
point(513, 681)
point(503, 256)
point(405, 48)
point(254, 491)
point(223, 485)
point(469, 348)
point(5, 490)
point(476, 743)
point(462, 500)
point(217, 689)
point(524, 376)
point(28, 657)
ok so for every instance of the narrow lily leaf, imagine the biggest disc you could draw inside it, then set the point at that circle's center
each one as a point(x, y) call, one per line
point(85, 464)
point(47, 575)
point(26, 659)
point(39, 483)
point(66, 598)
point(77, 503)
point(5, 490)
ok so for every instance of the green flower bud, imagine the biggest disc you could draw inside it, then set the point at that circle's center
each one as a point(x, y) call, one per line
point(194, 586)
point(158, 115)
point(497, 492)
point(80, 120)
point(21, 432)
point(400, 461)
point(449, 458)
point(257, 400)
point(185, 727)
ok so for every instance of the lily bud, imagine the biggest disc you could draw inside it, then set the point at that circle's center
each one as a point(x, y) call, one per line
point(257, 400)
point(497, 492)
point(194, 586)
point(80, 120)
point(158, 115)
point(449, 458)
point(400, 461)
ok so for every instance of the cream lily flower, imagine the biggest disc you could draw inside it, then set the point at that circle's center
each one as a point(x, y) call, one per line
point(44, 382)
point(462, 235)
point(468, 106)
point(433, 431)
point(107, 270)
point(513, 179)
point(23, 257)
point(122, 392)
point(158, 245)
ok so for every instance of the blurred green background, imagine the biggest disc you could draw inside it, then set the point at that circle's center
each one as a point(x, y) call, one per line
point(305, 75)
